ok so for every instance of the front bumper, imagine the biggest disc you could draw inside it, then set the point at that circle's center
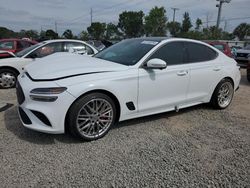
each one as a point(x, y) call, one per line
point(47, 117)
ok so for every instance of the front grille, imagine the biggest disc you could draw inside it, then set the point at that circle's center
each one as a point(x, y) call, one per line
point(19, 93)
point(26, 120)
point(242, 55)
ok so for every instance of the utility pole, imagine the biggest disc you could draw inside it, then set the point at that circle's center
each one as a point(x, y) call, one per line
point(219, 10)
point(174, 9)
point(55, 26)
point(91, 16)
point(225, 26)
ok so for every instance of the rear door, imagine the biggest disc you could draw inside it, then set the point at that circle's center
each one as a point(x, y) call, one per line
point(204, 70)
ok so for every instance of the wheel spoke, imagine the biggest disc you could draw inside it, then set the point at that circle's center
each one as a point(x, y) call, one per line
point(225, 94)
point(95, 117)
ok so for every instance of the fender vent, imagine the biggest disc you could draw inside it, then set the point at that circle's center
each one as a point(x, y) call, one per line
point(130, 106)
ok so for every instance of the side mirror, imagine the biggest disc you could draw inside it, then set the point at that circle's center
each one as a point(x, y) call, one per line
point(156, 64)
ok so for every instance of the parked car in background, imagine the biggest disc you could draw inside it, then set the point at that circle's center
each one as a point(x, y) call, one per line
point(133, 78)
point(11, 67)
point(248, 71)
point(13, 46)
point(100, 44)
point(236, 47)
point(243, 56)
point(222, 46)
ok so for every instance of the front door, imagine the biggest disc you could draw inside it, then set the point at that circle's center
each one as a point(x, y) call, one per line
point(163, 90)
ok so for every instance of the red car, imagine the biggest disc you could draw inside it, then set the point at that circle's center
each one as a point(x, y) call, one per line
point(13, 46)
point(222, 46)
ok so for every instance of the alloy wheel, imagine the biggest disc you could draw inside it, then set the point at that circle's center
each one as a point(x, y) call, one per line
point(225, 94)
point(94, 118)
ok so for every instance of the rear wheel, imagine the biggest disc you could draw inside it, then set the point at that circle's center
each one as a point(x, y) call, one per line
point(91, 116)
point(8, 78)
point(223, 94)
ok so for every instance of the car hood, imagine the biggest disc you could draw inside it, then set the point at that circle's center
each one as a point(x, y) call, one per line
point(64, 65)
point(12, 60)
point(243, 51)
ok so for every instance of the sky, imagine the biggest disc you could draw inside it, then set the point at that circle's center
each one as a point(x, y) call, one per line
point(75, 14)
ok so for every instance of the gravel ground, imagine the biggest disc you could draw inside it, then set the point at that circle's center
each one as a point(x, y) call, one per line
point(197, 147)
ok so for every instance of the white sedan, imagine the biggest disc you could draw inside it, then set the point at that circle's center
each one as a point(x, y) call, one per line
point(10, 68)
point(134, 78)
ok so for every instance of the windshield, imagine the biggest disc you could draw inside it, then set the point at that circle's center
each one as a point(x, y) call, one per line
point(219, 47)
point(127, 52)
point(27, 50)
point(247, 47)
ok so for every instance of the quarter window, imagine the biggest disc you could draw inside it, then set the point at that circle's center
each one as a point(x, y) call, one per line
point(199, 52)
point(172, 53)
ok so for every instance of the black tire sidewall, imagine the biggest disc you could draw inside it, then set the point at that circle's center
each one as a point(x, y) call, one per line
point(248, 74)
point(75, 108)
point(9, 71)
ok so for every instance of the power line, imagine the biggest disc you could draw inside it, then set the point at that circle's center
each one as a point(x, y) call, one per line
point(85, 14)
point(229, 19)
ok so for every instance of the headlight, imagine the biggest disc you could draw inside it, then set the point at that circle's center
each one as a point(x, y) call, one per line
point(49, 91)
point(43, 98)
point(46, 92)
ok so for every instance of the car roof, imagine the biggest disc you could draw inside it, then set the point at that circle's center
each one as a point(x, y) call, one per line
point(62, 40)
point(216, 42)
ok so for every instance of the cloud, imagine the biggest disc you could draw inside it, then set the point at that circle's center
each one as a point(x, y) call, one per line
point(75, 15)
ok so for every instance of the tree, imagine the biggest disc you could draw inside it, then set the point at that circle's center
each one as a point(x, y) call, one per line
point(6, 33)
point(198, 24)
point(84, 35)
point(174, 28)
point(50, 34)
point(32, 34)
point(212, 33)
point(156, 22)
point(97, 30)
point(111, 31)
point(186, 23)
point(242, 30)
point(68, 34)
point(131, 23)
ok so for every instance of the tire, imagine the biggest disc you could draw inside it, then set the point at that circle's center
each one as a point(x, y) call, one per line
point(91, 116)
point(8, 78)
point(248, 74)
point(223, 94)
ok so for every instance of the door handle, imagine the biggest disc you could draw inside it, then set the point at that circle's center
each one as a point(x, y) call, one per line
point(216, 69)
point(182, 73)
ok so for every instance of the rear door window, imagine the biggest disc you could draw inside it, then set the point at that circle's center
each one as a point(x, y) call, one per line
point(199, 52)
point(77, 47)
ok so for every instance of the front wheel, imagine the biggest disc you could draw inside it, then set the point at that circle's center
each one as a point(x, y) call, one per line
point(223, 94)
point(8, 78)
point(91, 116)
